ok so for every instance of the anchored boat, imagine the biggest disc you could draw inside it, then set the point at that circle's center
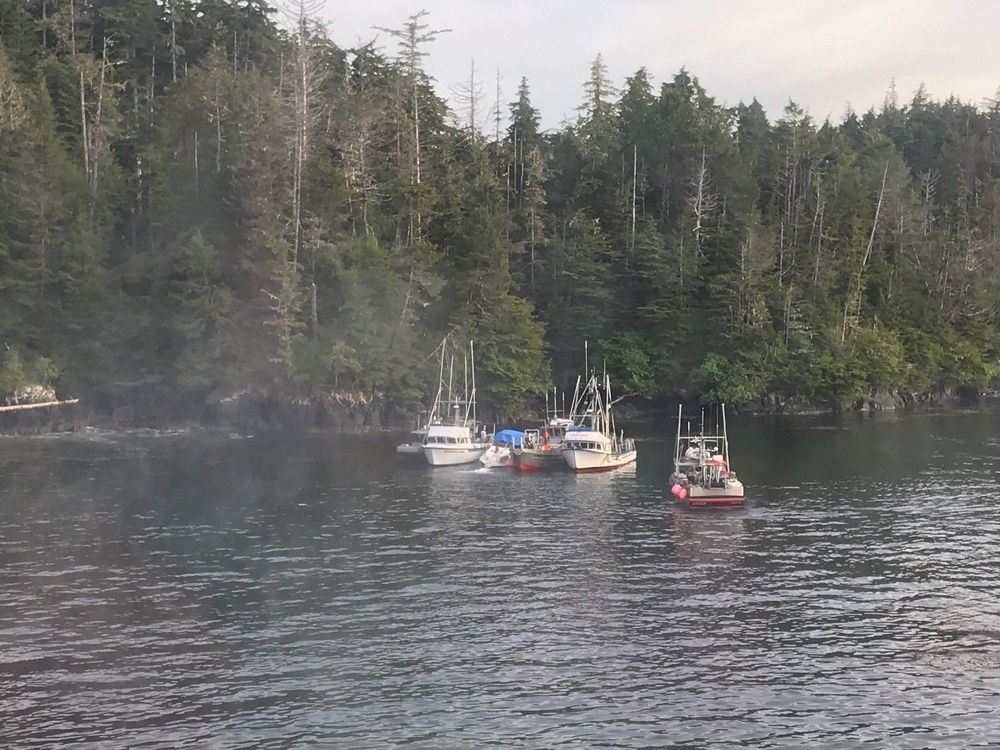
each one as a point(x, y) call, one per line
point(592, 444)
point(541, 449)
point(452, 435)
point(501, 453)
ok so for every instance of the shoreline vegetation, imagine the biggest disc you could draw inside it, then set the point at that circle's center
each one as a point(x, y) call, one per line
point(205, 198)
point(247, 413)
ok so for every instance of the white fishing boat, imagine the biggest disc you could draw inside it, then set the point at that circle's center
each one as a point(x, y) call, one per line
point(453, 437)
point(702, 476)
point(592, 443)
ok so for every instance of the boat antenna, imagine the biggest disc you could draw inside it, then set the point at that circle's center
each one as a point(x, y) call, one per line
point(586, 360)
point(701, 460)
point(677, 442)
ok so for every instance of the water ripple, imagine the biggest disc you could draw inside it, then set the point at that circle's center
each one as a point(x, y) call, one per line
point(190, 592)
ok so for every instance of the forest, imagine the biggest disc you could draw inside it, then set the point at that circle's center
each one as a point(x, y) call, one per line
point(211, 197)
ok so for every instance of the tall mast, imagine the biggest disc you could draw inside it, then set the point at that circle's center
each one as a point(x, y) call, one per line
point(451, 378)
point(472, 396)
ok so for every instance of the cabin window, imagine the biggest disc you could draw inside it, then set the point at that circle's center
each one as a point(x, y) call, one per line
point(451, 440)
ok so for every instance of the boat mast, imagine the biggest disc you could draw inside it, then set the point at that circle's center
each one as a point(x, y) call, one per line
point(451, 378)
point(472, 396)
point(725, 438)
point(465, 389)
point(609, 418)
point(436, 407)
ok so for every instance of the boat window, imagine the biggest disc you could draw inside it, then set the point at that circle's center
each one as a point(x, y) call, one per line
point(451, 440)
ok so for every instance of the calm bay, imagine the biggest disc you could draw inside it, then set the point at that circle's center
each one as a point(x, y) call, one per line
point(196, 590)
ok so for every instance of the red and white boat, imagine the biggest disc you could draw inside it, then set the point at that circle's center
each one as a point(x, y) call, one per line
point(541, 449)
point(703, 478)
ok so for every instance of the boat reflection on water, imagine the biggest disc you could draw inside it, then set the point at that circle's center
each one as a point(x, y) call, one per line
point(706, 539)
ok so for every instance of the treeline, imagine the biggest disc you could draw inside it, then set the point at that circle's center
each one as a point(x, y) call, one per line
point(209, 197)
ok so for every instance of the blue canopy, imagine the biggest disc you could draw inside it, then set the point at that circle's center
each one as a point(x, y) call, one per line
point(508, 437)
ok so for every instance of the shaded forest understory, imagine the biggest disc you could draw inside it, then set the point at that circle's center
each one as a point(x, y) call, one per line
point(202, 199)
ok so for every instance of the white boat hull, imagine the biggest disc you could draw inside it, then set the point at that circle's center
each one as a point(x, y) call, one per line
point(496, 457)
point(595, 460)
point(447, 455)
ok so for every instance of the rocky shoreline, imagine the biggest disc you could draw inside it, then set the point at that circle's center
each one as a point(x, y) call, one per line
point(247, 412)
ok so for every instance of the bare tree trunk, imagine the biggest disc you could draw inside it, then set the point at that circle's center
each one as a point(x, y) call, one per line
point(635, 171)
point(173, 41)
point(84, 134)
point(851, 316)
point(196, 191)
point(703, 203)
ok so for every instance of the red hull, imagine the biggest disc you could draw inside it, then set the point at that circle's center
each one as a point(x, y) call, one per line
point(523, 467)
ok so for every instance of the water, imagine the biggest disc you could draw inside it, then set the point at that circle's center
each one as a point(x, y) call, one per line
point(276, 591)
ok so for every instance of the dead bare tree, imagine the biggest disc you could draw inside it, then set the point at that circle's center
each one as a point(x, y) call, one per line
point(852, 307)
point(305, 80)
point(412, 37)
point(703, 203)
point(469, 97)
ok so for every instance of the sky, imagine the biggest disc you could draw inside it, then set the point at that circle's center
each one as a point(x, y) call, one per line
point(825, 55)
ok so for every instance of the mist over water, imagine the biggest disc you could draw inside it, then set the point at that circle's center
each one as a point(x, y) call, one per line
point(285, 591)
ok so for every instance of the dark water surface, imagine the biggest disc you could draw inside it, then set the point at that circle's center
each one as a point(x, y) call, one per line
point(199, 591)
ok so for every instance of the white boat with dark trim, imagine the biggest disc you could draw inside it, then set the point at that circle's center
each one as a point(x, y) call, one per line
point(592, 443)
point(702, 477)
point(452, 435)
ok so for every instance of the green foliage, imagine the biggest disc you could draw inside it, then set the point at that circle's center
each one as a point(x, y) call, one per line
point(630, 361)
point(725, 380)
point(509, 352)
point(156, 227)
point(16, 371)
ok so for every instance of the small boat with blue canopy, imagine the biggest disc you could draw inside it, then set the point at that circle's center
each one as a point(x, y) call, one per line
point(499, 453)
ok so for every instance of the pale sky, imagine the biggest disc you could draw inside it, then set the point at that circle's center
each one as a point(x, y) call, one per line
point(823, 54)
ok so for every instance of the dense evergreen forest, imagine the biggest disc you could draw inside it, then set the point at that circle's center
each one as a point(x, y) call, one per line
point(208, 197)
